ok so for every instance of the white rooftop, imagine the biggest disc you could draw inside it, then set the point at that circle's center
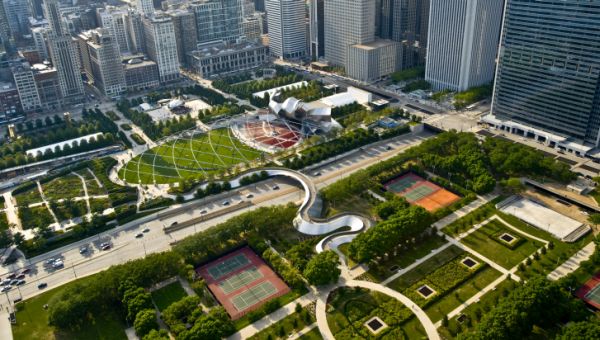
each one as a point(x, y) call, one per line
point(559, 225)
point(272, 91)
point(352, 95)
point(42, 149)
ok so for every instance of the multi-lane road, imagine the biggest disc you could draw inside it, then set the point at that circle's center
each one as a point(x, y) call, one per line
point(125, 246)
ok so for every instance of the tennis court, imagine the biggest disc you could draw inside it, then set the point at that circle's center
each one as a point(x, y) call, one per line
point(590, 291)
point(253, 295)
point(238, 281)
point(421, 192)
point(241, 281)
point(228, 266)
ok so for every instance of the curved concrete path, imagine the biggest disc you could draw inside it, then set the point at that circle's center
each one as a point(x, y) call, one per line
point(321, 308)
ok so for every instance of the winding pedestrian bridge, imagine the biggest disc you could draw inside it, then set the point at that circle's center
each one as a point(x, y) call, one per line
point(308, 224)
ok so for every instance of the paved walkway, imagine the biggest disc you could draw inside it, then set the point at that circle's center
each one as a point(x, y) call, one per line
point(5, 328)
point(573, 262)
point(303, 331)
point(86, 196)
point(480, 201)
point(11, 210)
point(272, 318)
point(473, 299)
point(414, 264)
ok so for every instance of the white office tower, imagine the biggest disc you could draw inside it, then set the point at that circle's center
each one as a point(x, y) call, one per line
point(462, 43)
point(40, 36)
point(102, 61)
point(63, 50)
point(115, 20)
point(28, 92)
point(287, 28)
point(347, 22)
point(161, 46)
point(145, 7)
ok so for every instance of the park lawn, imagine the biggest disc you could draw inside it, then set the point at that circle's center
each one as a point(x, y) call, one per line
point(405, 258)
point(32, 322)
point(485, 304)
point(314, 334)
point(286, 326)
point(167, 295)
point(468, 221)
point(3, 221)
point(68, 186)
point(28, 197)
point(561, 252)
point(482, 241)
point(344, 249)
point(413, 329)
point(35, 217)
point(348, 203)
point(210, 153)
point(93, 187)
point(422, 270)
point(461, 293)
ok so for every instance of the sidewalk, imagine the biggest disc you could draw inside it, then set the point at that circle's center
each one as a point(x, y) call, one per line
point(5, 328)
point(573, 262)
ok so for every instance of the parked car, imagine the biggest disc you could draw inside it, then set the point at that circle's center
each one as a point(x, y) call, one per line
point(25, 271)
point(139, 235)
point(146, 230)
point(225, 203)
point(58, 264)
point(83, 249)
point(5, 282)
point(20, 277)
point(12, 275)
point(275, 187)
point(20, 282)
point(42, 285)
point(5, 289)
point(203, 212)
point(249, 196)
point(105, 246)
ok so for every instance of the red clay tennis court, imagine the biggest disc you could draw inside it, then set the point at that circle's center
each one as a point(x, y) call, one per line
point(241, 282)
point(423, 193)
point(590, 291)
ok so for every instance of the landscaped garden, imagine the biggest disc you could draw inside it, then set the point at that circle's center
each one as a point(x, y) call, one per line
point(287, 326)
point(504, 245)
point(350, 309)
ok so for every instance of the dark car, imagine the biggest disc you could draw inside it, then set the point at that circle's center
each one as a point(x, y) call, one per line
point(42, 285)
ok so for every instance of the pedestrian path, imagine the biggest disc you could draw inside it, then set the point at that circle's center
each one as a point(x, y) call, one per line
point(303, 331)
point(573, 262)
point(5, 328)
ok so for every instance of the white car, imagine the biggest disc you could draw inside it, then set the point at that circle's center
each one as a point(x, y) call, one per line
point(58, 264)
point(5, 289)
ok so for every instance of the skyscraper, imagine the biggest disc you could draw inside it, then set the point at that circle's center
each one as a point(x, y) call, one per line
point(287, 28)
point(102, 61)
point(63, 51)
point(115, 20)
point(317, 28)
point(5, 34)
point(548, 77)
point(347, 22)
point(218, 20)
point(462, 43)
point(162, 47)
point(17, 12)
point(145, 7)
point(184, 23)
point(407, 21)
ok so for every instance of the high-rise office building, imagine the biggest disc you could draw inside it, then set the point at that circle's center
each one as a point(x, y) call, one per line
point(145, 7)
point(186, 36)
point(27, 88)
point(102, 61)
point(135, 31)
point(259, 5)
point(462, 43)
point(406, 21)
point(18, 13)
point(287, 28)
point(161, 46)
point(63, 50)
point(40, 36)
point(218, 20)
point(115, 20)
point(5, 34)
point(347, 22)
point(316, 13)
point(548, 77)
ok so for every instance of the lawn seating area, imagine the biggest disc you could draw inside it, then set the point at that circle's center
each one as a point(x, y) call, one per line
point(167, 295)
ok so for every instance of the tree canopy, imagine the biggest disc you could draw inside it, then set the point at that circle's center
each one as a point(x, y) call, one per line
point(323, 268)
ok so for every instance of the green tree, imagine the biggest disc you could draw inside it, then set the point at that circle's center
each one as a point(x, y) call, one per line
point(161, 334)
point(145, 321)
point(583, 330)
point(323, 268)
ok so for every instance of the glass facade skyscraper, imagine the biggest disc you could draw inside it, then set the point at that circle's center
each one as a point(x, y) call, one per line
point(548, 75)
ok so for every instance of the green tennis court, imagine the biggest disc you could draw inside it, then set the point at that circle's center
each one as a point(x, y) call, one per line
point(227, 266)
point(238, 281)
point(253, 295)
point(403, 183)
point(594, 294)
point(421, 191)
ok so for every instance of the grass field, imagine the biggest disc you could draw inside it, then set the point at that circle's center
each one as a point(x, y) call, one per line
point(167, 295)
point(285, 327)
point(32, 322)
point(482, 241)
point(68, 186)
point(202, 155)
point(314, 334)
